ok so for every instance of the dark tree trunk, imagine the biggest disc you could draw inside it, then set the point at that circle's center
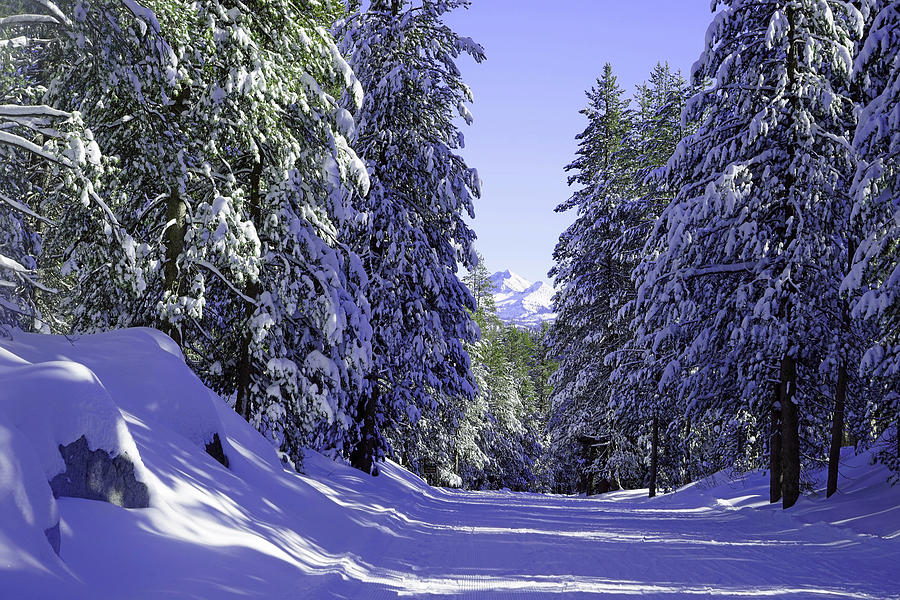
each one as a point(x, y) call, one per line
point(775, 448)
point(245, 360)
point(176, 219)
point(688, 475)
point(840, 392)
point(654, 456)
point(244, 376)
point(363, 455)
point(790, 434)
point(837, 430)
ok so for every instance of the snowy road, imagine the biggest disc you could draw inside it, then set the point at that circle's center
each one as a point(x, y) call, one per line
point(505, 546)
point(336, 534)
point(259, 531)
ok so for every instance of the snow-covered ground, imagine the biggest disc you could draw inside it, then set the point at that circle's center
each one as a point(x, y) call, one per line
point(257, 530)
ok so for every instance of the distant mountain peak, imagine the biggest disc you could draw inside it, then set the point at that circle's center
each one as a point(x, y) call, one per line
point(510, 281)
point(521, 302)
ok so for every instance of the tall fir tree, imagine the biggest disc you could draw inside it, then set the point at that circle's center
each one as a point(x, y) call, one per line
point(589, 273)
point(874, 280)
point(741, 267)
point(617, 205)
point(415, 234)
point(235, 249)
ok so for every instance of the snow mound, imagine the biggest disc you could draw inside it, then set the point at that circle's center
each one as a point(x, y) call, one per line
point(56, 402)
point(864, 503)
point(141, 369)
point(47, 403)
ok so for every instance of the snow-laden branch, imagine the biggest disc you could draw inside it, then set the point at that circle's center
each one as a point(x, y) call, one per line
point(20, 41)
point(19, 269)
point(20, 142)
point(142, 13)
point(718, 269)
point(743, 267)
point(28, 19)
point(89, 188)
point(54, 10)
point(35, 110)
point(38, 284)
point(24, 209)
point(215, 271)
point(12, 265)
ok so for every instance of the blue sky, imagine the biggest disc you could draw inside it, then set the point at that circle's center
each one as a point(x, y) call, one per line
point(541, 57)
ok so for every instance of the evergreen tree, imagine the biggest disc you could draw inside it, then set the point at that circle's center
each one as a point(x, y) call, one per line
point(49, 160)
point(638, 411)
point(589, 273)
point(414, 234)
point(235, 249)
point(617, 207)
point(874, 279)
point(742, 265)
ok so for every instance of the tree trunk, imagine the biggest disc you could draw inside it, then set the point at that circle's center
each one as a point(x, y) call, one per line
point(362, 456)
point(654, 456)
point(775, 448)
point(790, 434)
point(837, 430)
point(176, 220)
point(245, 360)
point(688, 475)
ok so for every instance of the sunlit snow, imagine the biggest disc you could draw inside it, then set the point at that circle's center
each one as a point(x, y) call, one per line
point(258, 530)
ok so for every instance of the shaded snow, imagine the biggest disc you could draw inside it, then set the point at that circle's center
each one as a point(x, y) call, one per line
point(258, 530)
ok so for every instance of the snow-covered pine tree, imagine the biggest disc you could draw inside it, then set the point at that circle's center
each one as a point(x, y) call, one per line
point(642, 413)
point(119, 84)
point(415, 234)
point(741, 265)
point(874, 280)
point(305, 341)
point(49, 161)
point(237, 252)
point(618, 203)
point(589, 276)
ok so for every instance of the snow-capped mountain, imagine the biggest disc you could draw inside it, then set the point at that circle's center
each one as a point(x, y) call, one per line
point(520, 301)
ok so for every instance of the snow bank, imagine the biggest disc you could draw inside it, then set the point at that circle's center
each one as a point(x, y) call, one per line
point(142, 370)
point(45, 405)
point(73, 396)
point(54, 403)
point(258, 530)
point(865, 503)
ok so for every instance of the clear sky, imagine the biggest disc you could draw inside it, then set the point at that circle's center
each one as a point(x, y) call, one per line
point(541, 57)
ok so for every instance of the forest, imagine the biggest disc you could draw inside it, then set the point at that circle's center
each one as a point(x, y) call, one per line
point(280, 187)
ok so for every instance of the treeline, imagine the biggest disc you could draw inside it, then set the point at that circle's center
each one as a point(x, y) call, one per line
point(729, 292)
point(501, 441)
point(274, 183)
